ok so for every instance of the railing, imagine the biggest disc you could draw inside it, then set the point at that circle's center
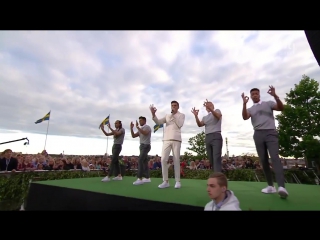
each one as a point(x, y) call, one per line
point(317, 179)
point(296, 178)
point(257, 178)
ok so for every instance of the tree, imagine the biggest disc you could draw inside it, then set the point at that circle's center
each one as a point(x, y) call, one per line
point(197, 145)
point(187, 155)
point(298, 124)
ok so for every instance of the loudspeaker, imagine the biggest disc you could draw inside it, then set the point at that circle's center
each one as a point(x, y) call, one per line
point(313, 37)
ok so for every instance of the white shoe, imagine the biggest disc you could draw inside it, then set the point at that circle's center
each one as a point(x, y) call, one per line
point(138, 182)
point(146, 180)
point(117, 178)
point(269, 189)
point(106, 179)
point(164, 185)
point(283, 192)
point(178, 185)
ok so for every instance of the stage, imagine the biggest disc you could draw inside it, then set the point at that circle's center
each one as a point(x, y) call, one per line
point(92, 194)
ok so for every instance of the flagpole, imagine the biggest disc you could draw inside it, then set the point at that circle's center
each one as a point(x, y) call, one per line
point(107, 143)
point(104, 122)
point(45, 143)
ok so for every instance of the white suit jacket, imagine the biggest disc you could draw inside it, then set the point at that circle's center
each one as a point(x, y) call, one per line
point(174, 123)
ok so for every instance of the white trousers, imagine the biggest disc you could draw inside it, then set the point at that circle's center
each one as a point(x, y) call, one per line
point(167, 146)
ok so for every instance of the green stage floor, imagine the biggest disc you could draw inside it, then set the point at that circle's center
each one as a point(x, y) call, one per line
point(193, 192)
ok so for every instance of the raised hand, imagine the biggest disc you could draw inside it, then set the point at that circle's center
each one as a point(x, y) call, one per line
point(152, 109)
point(109, 126)
point(205, 103)
point(131, 125)
point(194, 111)
point(244, 98)
point(102, 126)
point(272, 91)
point(137, 124)
point(208, 105)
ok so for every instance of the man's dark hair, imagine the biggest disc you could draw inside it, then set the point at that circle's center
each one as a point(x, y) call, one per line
point(119, 123)
point(175, 102)
point(7, 150)
point(143, 118)
point(254, 89)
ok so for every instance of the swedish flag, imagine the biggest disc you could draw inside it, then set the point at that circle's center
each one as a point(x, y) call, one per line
point(45, 118)
point(156, 127)
point(105, 121)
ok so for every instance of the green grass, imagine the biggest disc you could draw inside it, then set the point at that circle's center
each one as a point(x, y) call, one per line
point(193, 192)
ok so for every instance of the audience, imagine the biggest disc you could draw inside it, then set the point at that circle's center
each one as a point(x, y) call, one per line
point(43, 161)
point(85, 165)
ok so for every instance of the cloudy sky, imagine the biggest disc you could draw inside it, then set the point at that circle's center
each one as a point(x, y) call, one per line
point(83, 76)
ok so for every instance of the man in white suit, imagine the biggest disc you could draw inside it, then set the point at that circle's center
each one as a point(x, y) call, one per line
point(171, 141)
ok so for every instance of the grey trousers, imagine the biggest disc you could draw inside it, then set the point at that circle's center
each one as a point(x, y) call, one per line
point(268, 141)
point(115, 165)
point(143, 168)
point(214, 144)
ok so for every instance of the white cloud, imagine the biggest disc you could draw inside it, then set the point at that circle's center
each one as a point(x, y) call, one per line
point(82, 76)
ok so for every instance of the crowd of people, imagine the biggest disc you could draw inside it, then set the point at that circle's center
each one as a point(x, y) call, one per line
point(43, 161)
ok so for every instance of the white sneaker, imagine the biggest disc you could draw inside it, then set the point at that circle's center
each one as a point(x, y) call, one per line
point(164, 185)
point(138, 182)
point(117, 178)
point(106, 179)
point(283, 192)
point(269, 189)
point(178, 185)
point(146, 180)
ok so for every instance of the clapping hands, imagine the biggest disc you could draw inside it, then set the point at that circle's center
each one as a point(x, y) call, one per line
point(132, 124)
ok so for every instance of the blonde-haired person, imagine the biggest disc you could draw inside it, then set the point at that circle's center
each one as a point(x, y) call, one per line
point(85, 165)
point(222, 199)
point(192, 166)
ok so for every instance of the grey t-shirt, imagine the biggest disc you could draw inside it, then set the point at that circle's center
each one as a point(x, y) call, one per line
point(262, 115)
point(211, 123)
point(119, 139)
point(145, 139)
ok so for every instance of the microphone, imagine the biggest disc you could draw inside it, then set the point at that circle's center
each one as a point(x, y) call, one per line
point(171, 111)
